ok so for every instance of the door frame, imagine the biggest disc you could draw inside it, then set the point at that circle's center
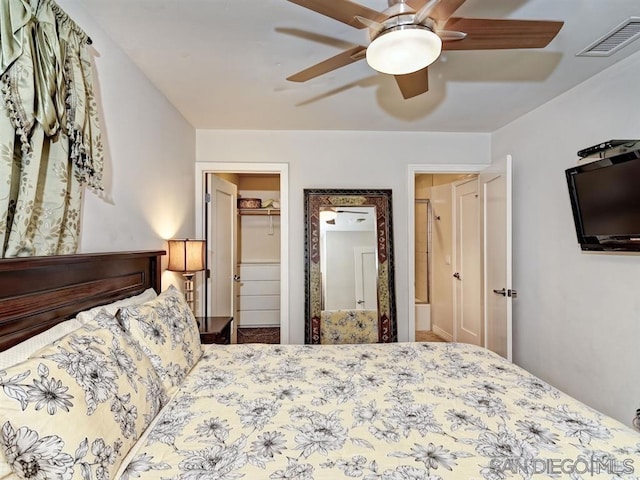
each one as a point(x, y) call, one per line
point(504, 165)
point(412, 171)
point(282, 169)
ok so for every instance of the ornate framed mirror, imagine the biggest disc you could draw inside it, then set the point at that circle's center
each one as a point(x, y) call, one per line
point(349, 266)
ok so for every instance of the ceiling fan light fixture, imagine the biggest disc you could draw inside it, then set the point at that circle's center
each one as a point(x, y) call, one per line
point(328, 215)
point(404, 49)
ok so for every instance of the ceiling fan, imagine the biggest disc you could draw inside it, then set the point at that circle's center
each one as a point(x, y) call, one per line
point(340, 210)
point(329, 215)
point(409, 36)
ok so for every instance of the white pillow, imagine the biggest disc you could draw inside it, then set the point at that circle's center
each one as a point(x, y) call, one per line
point(23, 350)
point(112, 308)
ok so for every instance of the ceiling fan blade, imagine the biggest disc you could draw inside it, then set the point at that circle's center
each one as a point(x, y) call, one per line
point(374, 26)
point(489, 34)
point(342, 59)
point(413, 84)
point(370, 23)
point(450, 35)
point(443, 10)
point(344, 11)
point(352, 211)
point(425, 10)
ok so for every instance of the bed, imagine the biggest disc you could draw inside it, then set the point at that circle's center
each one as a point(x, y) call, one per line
point(130, 393)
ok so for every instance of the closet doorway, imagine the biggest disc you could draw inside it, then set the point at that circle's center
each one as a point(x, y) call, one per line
point(258, 274)
point(221, 248)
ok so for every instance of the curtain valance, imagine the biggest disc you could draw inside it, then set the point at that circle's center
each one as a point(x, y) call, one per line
point(47, 80)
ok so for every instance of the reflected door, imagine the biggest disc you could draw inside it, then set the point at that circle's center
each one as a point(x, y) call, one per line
point(366, 274)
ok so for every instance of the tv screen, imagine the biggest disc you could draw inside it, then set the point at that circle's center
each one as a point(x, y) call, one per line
point(605, 199)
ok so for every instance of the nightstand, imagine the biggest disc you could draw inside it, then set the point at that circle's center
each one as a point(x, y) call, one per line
point(215, 329)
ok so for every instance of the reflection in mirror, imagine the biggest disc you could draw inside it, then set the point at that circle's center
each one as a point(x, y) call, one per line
point(349, 267)
point(348, 262)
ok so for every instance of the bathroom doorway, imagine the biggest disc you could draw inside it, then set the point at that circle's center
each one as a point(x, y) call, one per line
point(434, 255)
point(469, 246)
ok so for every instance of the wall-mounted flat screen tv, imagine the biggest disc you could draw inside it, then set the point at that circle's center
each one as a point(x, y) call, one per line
point(605, 199)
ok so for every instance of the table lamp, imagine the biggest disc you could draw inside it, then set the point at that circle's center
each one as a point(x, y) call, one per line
point(187, 256)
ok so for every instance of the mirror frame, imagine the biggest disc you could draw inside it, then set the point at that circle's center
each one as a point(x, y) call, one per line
point(314, 199)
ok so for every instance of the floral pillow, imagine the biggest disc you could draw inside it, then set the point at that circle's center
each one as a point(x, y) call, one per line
point(75, 408)
point(168, 334)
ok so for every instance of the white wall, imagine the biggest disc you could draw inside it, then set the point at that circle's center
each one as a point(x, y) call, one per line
point(577, 315)
point(259, 235)
point(149, 156)
point(323, 159)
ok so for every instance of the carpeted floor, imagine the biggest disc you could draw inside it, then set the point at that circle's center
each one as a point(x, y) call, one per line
point(272, 335)
point(259, 335)
point(428, 336)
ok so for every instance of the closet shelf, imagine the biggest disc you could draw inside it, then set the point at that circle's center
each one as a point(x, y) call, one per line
point(259, 211)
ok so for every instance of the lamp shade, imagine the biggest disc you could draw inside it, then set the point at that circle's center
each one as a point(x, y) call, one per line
point(186, 255)
point(404, 49)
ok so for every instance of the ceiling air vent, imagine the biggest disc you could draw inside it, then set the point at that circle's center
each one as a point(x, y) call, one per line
point(613, 41)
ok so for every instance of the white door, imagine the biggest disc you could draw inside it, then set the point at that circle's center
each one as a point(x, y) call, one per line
point(467, 278)
point(222, 248)
point(495, 187)
point(366, 275)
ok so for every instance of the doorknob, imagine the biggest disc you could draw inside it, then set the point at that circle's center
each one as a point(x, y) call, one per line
point(512, 293)
point(502, 292)
point(457, 275)
point(360, 302)
point(236, 278)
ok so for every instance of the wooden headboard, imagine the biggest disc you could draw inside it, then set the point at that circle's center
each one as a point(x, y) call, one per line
point(36, 293)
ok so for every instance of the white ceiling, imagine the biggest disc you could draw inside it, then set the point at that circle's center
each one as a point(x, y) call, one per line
point(223, 64)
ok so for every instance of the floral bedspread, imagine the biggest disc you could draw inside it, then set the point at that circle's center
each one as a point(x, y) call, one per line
point(383, 411)
point(349, 326)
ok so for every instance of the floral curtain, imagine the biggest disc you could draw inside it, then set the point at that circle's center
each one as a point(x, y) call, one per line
point(50, 142)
